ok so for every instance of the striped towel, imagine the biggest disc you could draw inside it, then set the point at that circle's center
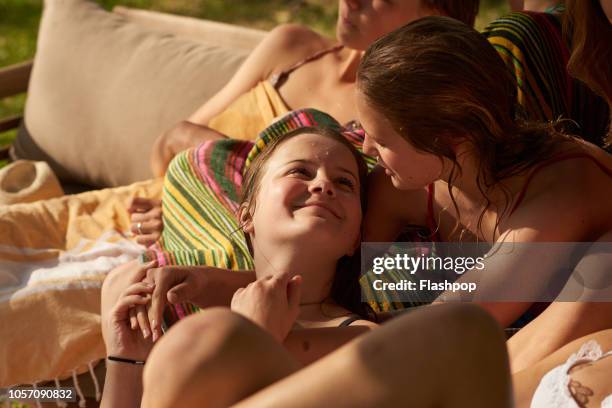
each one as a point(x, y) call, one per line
point(534, 50)
point(200, 200)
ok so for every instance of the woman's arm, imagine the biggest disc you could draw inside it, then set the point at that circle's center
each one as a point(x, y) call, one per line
point(204, 286)
point(529, 255)
point(272, 303)
point(568, 321)
point(181, 137)
point(122, 385)
point(281, 48)
point(123, 381)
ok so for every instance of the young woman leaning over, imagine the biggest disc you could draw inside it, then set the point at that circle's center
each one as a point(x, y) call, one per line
point(439, 116)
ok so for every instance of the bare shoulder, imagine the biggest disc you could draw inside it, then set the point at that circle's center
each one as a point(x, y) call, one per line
point(571, 199)
point(291, 43)
point(298, 35)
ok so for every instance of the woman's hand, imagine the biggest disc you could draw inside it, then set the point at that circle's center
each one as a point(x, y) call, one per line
point(203, 286)
point(272, 302)
point(146, 219)
point(119, 338)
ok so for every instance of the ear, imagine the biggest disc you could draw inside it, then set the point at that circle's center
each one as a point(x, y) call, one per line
point(245, 219)
point(356, 245)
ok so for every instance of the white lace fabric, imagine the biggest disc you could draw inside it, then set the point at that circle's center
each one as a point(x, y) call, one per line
point(553, 390)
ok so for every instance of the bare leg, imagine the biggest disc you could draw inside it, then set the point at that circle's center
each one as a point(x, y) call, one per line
point(213, 359)
point(563, 322)
point(559, 324)
point(596, 377)
point(444, 356)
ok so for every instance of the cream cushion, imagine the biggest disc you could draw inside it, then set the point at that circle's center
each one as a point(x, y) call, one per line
point(104, 87)
point(190, 28)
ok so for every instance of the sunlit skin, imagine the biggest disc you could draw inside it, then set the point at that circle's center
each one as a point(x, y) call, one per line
point(361, 22)
point(310, 188)
point(408, 168)
point(325, 83)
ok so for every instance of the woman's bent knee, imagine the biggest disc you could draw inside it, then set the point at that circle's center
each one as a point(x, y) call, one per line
point(214, 358)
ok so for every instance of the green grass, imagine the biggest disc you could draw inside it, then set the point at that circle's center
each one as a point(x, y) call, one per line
point(19, 22)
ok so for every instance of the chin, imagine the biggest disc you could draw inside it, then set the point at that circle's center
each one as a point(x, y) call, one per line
point(403, 185)
point(318, 225)
point(397, 183)
point(348, 38)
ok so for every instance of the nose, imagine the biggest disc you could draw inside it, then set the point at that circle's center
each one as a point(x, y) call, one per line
point(368, 147)
point(322, 185)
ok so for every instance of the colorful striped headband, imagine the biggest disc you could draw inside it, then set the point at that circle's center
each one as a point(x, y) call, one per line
point(291, 121)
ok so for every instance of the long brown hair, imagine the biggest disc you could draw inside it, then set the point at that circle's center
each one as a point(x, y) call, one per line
point(345, 290)
point(439, 83)
point(589, 32)
point(462, 10)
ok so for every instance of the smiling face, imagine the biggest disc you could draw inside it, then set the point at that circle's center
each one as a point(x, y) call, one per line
point(309, 193)
point(361, 22)
point(408, 168)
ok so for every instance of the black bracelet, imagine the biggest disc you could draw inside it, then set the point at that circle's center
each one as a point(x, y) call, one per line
point(125, 360)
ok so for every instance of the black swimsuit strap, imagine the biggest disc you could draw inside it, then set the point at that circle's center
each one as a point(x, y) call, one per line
point(349, 320)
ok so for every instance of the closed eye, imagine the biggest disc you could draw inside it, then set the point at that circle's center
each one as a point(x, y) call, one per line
point(346, 182)
point(300, 171)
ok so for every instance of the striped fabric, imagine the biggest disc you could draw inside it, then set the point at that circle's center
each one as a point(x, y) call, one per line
point(200, 200)
point(532, 46)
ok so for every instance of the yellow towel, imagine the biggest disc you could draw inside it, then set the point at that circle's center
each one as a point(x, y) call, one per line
point(250, 113)
point(54, 255)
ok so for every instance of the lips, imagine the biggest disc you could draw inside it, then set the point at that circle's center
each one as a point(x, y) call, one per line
point(346, 21)
point(344, 15)
point(323, 205)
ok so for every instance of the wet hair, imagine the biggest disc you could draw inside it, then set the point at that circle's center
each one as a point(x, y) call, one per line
point(441, 83)
point(462, 10)
point(345, 290)
point(589, 32)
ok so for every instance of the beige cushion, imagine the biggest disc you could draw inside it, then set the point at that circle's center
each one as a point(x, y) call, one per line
point(103, 88)
point(221, 34)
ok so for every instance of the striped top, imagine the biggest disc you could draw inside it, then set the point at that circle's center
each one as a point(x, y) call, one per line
point(533, 48)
